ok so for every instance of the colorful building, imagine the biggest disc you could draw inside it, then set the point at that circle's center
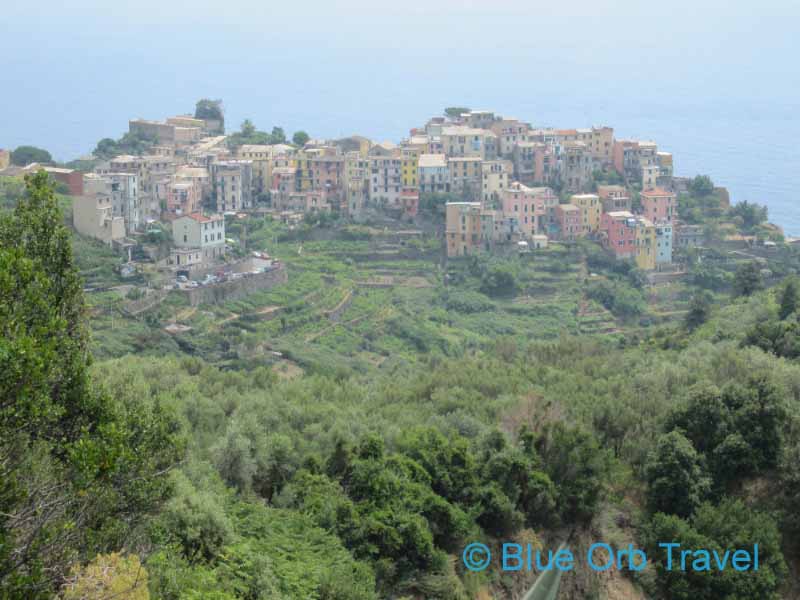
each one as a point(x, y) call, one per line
point(534, 162)
point(590, 207)
point(232, 185)
point(601, 144)
point(666, 168)
point(355, 183)
point(664, 241)
point(466, 175)
point(527, 208)
point(434, 176)
point(261, 155)
point(619, 233)
point(458, 140)
point(409, 156)
point(320, 169)
point(570, 222)
point(497, 175)
point(659, 205)
point(509, 132)
point(385, 176)
point(645, 244)
point(614, 198)
point(629, 236)
point(183, 197)
point(463, 230)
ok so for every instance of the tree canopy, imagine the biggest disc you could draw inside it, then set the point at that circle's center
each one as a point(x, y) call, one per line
point(455, 111)
point(22, 156)
point(209, 109)
point(300, 138)
point(249, 134)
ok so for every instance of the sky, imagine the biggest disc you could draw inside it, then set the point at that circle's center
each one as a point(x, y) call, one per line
point(704, 78)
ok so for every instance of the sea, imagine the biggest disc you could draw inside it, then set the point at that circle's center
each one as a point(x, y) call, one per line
point(717, 85)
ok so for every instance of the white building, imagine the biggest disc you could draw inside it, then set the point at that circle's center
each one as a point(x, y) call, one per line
point(197, 231)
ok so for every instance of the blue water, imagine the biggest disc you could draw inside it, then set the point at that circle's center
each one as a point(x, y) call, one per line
point(716, 84)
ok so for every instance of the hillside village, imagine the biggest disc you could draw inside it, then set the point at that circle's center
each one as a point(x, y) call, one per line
point(480, 284)
point(503, 183)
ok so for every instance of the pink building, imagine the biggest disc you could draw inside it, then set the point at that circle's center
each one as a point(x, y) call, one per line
point(659, 205)
point(284, 179)
point(619, 233)
point(570, 221)
point(183, 197)
point(524, 206)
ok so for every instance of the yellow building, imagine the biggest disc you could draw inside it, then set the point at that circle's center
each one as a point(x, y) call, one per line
point(463, 229)
point(410, 166)
point(356, 183)
point(601, 144)
point(5, 159)
point(645, 244)
point(591, 208)
point(260, 157)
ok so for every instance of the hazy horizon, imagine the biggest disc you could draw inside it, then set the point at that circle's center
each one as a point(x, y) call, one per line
point(714, 84)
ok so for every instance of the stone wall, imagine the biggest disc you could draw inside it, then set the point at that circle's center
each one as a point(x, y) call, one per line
point(236, 288)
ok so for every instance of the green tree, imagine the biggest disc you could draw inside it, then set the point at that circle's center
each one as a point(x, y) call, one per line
point(278, 136)
point(248, 129)
point(701, 185)
point(300, 138)
point(25, 155)
point(135, 143)
point(66, 443)
point(781, 338)
point(750, 213)
point(699, 310)
point(455, 111)
point(747, 279)
point(577, 465)
point(499, 280)
point(727, 527)
point(788, 300)
point(676, 478)
point(209, 109)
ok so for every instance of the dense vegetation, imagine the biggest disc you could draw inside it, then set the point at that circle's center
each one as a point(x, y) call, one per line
point(349, 447)
point(133, 143)
point(24, 155)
